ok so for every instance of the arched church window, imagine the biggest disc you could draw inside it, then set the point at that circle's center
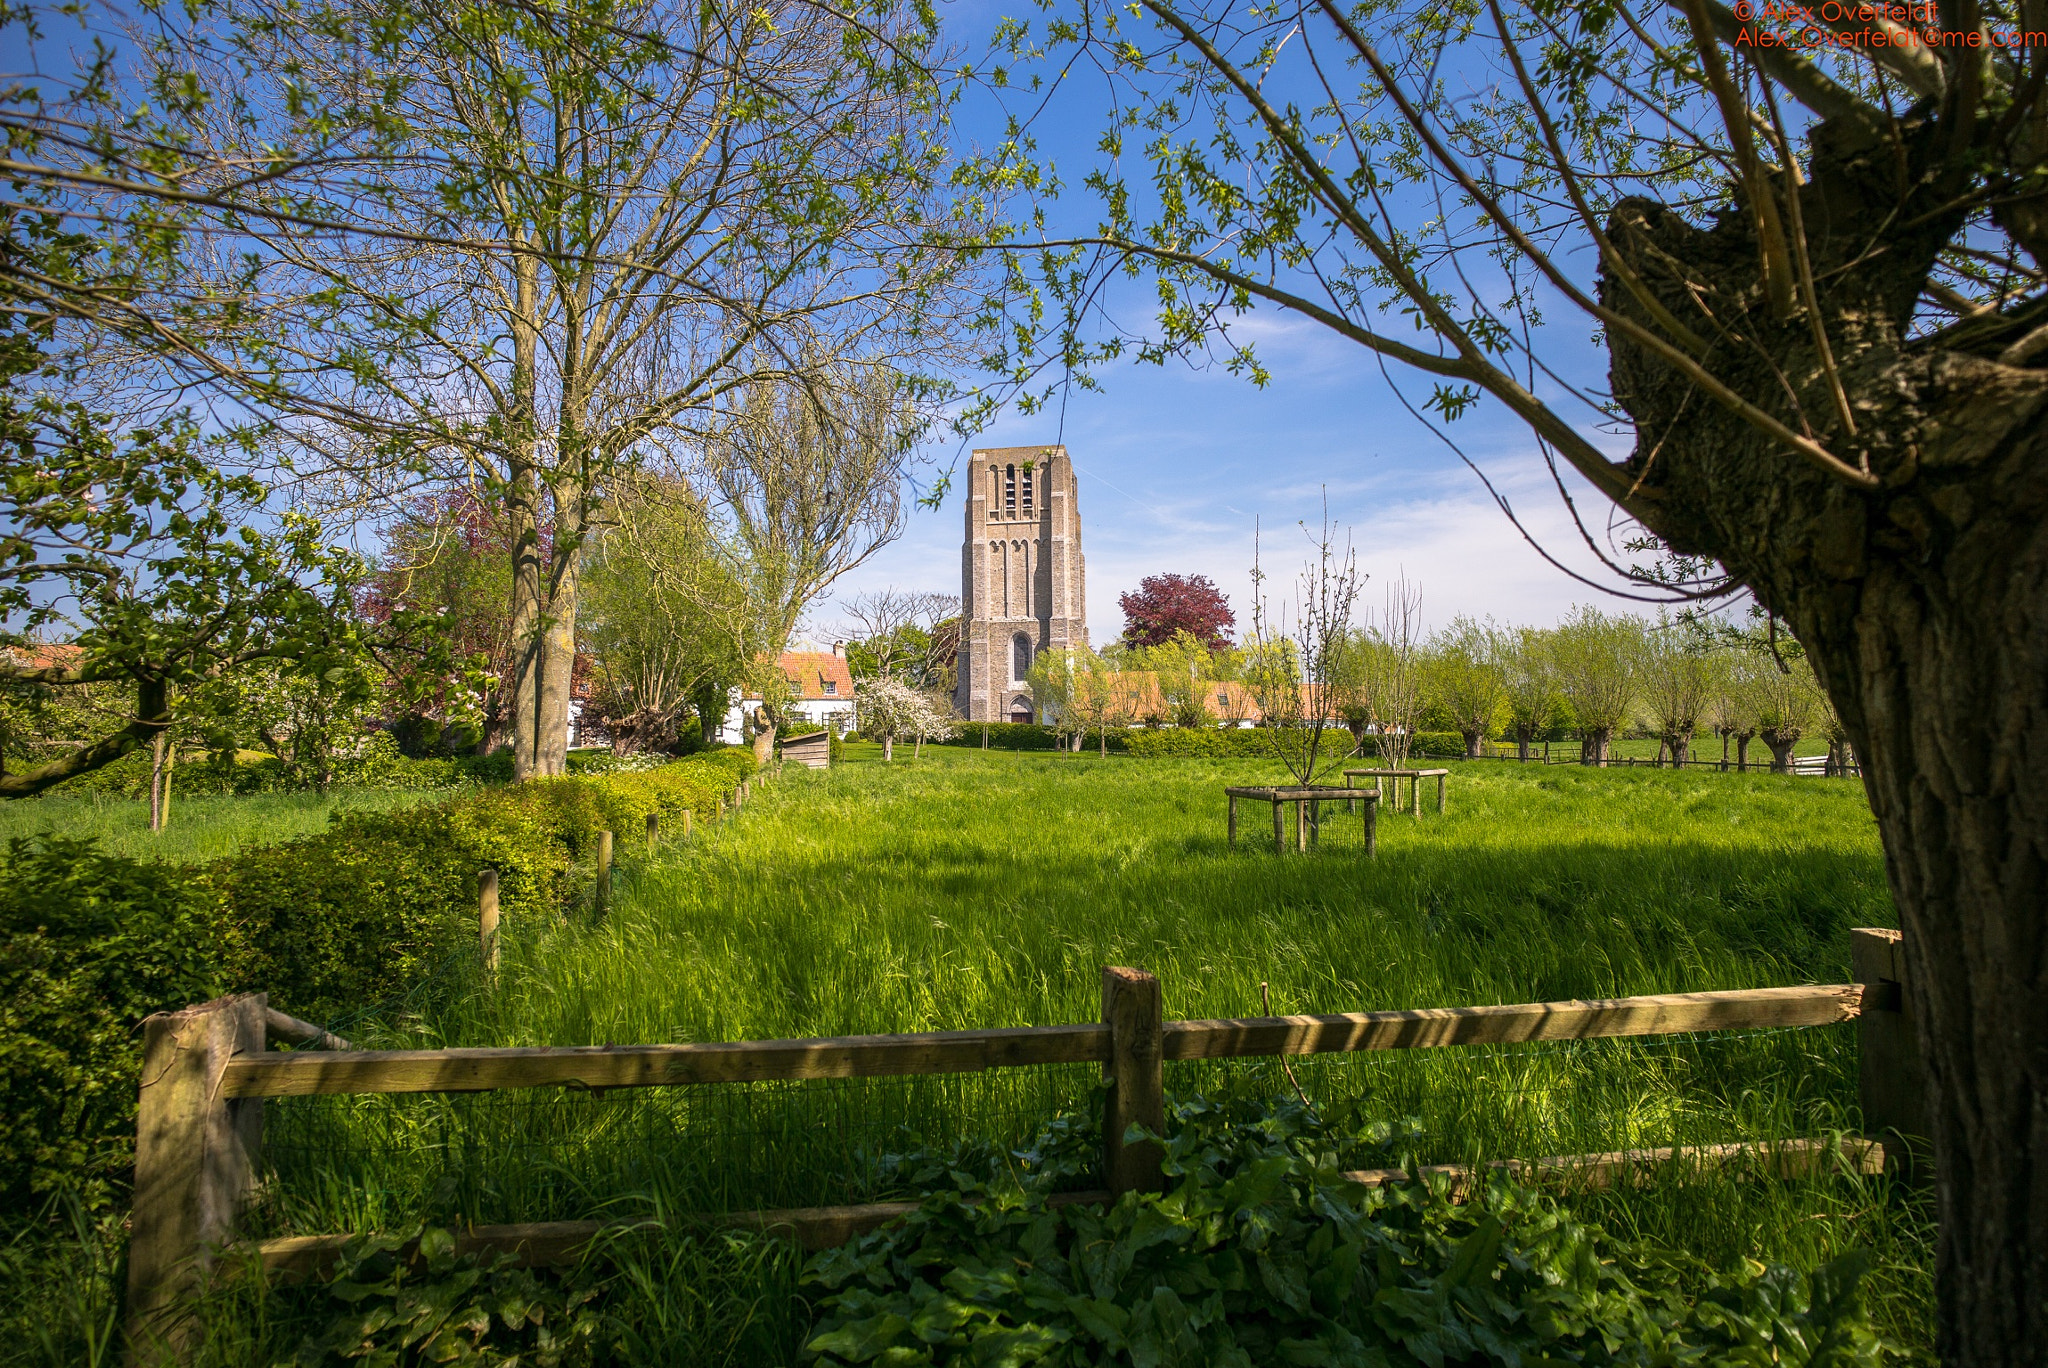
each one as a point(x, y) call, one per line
point(1010, 490)
point(1020, 656)
point(1027, 489)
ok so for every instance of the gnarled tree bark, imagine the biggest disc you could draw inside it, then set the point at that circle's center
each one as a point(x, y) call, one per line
point(1923, 605)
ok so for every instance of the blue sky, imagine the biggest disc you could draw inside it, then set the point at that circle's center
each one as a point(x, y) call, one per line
point(1177, 465)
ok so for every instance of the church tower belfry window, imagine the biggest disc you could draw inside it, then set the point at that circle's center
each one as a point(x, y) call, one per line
point(1010, 491)
point(1027, 489)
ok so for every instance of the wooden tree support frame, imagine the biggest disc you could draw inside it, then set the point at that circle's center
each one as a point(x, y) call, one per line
point(1414, 778)
point(1307, 800)
point(206, 1073)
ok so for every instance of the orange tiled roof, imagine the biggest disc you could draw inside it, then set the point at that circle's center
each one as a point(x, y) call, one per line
point(810, 672)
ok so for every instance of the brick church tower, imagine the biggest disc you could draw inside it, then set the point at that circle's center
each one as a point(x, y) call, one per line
point(1022, 579)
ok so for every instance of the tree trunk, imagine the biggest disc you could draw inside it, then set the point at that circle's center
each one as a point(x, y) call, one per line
point(156, 782)
point(1522, 747)
point(1922, 603)
point(1781, 750)
point(1724, 752)
point(522, 512)
point(888, 746)
point(1593, 745)
point(1474, 740)
point(556, 672)
point(1742, 753)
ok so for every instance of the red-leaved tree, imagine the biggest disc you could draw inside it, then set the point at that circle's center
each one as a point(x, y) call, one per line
point(1165, 604)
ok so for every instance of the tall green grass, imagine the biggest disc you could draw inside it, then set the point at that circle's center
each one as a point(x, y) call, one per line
point(974, 889)
point(202, 828)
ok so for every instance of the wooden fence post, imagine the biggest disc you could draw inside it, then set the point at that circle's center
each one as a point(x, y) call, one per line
point(688, 815)
point(604, 872)
point(1372, 827)
point(1279, 827)
point(1232, 800)
point(1132, 1009)
point(653, 829)
point(487, 916)
point(195, 1166)
point(1892, 1084)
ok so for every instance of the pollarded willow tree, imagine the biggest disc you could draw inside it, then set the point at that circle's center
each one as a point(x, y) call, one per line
point(1467, 663)
point(1677, 683)
point(1814, 247)
point(1598, 662)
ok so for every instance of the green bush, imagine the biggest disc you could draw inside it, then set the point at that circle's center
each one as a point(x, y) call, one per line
point(333, 924)
point(1028, 736)
point(1258, 1252)
point(89, 945)
point(341, 921)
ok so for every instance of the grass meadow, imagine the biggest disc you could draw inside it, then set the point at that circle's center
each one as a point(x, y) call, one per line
point(970, 888)
point(987, 889)
point(202, 827)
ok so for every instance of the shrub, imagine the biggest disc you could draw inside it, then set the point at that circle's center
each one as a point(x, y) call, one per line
point(343, 920)
point(89, 945)
point(335, 923)
point(1030, 736)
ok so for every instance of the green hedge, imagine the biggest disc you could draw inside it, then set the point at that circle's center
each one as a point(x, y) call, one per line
point(331, 926)
point(337, 922)
point(89, 945)
point(1155, 742)
point(380, 766)
point(1019, 736)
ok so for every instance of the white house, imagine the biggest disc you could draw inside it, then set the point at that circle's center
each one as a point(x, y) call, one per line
point(821, 686)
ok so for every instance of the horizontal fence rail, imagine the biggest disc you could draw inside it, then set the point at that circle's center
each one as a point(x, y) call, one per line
point(941, 1052)
point(660, 1066)
point(207, 1073)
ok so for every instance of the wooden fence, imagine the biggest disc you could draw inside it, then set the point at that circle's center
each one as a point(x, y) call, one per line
point(1569, 753)
point(207, 1073)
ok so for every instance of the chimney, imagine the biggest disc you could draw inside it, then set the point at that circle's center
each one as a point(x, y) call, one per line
point(836, 645)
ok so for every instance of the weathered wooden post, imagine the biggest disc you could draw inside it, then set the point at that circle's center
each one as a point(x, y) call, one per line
point(653, 830)
point(487, 917)
point(1300, 826)
point(1279, 826)
point(1892, 1084)
point(688, 815)
point(1232, 798)
point(195, 1166)
point(1372, 827)
point(1440, 793)
point(1132, 1009)
point(604, 872)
